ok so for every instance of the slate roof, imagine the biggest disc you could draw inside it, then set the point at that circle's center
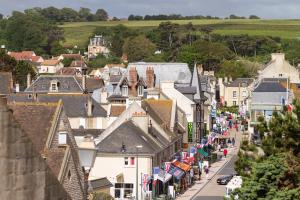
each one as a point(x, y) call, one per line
point(115, 78)
point(84, 132)
point(67, 84)
point(100, 183)
point(130, 135)
point(5, 83)
point(269, 87)
point(54, 159)
point(177, 72)
point(187, 90)
point(240, 82)
point(74, 104)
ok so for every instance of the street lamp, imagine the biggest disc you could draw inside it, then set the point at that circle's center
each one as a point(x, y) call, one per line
point(87, 154)
point(137, 171)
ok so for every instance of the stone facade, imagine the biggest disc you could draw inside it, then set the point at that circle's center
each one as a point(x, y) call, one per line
point(24, 174)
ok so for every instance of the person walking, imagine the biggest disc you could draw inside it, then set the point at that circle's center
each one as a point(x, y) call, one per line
point(219, 147)
point(206, 172)
point(225, 152)
point(233, 141)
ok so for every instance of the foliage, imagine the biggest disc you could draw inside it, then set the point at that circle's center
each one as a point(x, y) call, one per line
point(254, 17)
point(291, 48)
point(67, 61)
point(138, 48)
point(232, 109)
point(101, 61)
point(30, 31)
point(262, 127)
point(19, 69)
point(210, 54)
point(100, 196)
point(101, 15)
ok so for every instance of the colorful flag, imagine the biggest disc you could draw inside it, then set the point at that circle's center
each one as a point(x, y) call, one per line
point(145, 179)
point(167, 166)
point(184, 155)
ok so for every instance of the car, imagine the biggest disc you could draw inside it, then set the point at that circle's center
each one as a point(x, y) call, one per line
point(223, 180)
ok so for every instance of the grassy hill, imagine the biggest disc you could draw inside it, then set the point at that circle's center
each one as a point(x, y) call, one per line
point(78, 33)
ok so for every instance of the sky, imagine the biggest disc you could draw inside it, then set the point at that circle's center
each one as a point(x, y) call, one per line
point(268, 9)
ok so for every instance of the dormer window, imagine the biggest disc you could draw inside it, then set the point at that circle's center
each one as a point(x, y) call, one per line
point(54, 86)
point(62, 138)
point(140, 90)
point(124, 90)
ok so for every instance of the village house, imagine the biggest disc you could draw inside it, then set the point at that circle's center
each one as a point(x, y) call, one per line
point(50, 66)
point(26, 56)
point(44, 141)
point(140, 138)
point(278, 67)
point(75, 57)
point(97, 46)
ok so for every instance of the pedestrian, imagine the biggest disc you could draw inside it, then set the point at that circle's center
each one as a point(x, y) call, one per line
point(219, 147)
point(206, 172)
point(200, 173)
point(233, 141)
point(236, 127)
point(225, 152)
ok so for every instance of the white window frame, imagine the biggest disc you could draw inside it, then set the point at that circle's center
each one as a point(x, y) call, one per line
point(62, 138)
point(234, 94)
point(124, 90)
point(140, 90)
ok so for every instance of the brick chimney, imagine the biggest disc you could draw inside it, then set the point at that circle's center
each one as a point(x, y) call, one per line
point(150, 79)
point(133, 79)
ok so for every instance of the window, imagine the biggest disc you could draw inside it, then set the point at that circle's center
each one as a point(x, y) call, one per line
point(234, 103)
point(129, 161)
point(62, 138)
point(234, 94)
point(123, 190)
point(124, 90)
point(140, 90)
point(244, 93)
point(280, 75)
point(69, 175)
point(53, 87)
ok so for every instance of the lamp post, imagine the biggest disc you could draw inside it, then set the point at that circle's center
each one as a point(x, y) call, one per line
point(137, 172)
point(87, 154)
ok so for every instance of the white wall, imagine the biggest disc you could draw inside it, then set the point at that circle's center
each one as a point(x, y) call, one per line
point(111, 166)
point(89, 123)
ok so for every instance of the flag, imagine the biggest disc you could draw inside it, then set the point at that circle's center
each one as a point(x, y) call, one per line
point(167, 166)
point(184, 155)
point(193, 150)
point(145, 178)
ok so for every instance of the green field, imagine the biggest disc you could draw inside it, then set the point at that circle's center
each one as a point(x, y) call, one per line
point(77, 33)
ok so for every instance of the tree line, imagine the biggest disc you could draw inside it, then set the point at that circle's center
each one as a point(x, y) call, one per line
point(133, 17)
point(68, 14)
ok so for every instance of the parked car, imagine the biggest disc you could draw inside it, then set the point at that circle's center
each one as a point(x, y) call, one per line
point(223, 180)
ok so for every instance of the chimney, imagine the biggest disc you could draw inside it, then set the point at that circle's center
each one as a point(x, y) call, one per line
point(84, 80)
point(220, 81)
point(28, 80)
point(17, 87)
point(150, 77)
point(133, 78)
point(89, 106)
point(230, 79)
point(226, 79)
point(141, 119)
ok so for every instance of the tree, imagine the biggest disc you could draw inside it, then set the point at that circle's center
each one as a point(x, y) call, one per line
point(101, 15)
point(85, 14)
point(1, 16)
point(254, 17)
point(101, 61)
point(138, 48)
point(67, 61)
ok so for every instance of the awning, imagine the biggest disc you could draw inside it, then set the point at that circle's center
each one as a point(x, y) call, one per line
point(202, 152)
point(176, 172)
point(181, 165)
point(164, 176)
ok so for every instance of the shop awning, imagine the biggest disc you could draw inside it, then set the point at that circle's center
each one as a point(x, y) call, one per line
point(164, 176)
point(176, 172)
point(181, 165)
point(202, 152)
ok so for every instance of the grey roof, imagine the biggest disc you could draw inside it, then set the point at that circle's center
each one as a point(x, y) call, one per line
point(269, 87)
point(84, 132)
point(240, 82)
point(130, 135)
point(187, 90)
point(67, 84)
point(115, 78)
point(177, 72)
point(5, 83)
point(100, 183)
point(74, 104)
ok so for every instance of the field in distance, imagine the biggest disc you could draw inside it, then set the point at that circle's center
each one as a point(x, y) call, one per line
point(78, 33)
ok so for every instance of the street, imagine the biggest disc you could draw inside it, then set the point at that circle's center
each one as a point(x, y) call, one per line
point(212, 190)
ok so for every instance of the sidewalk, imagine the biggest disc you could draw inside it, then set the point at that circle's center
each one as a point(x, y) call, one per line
point(213, 170)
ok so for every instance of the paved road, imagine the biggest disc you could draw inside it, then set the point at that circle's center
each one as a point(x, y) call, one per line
point(213, 191)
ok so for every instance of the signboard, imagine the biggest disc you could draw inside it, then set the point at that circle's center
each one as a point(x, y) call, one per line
point(190, 131)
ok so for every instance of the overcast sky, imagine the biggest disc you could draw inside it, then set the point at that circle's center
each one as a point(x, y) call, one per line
point(122, 8)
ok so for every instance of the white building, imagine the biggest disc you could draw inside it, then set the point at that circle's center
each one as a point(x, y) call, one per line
point(97, 46)
point(50, 66)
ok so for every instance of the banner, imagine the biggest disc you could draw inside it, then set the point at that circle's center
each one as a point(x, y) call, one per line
point(167, 166)
point(190, 131)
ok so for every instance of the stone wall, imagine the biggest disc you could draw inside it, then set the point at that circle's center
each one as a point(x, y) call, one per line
point(24, 174)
